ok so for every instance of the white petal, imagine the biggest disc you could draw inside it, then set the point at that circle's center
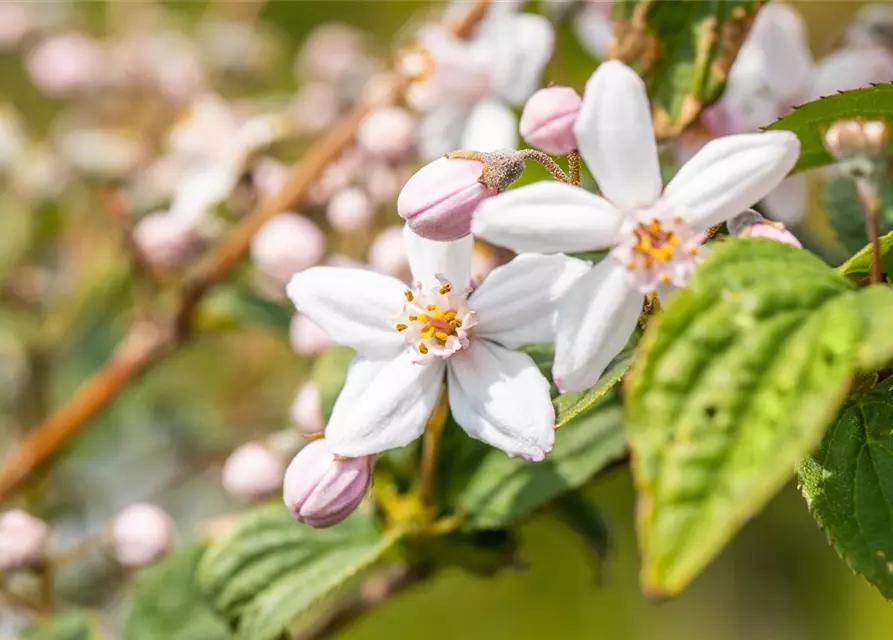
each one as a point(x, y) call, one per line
point(441, 130)
point(500, 397)
point(353, 306)
point(595, 320)
point(521, 46)
point(852, 69)
point(788, 202)
point(428, 258)
point(517, 303)
point(547, 217)
point(616, 137)
point(594, 28)
point(730, 174)
point(490, 127)
point(780, 33)
point(384, 405)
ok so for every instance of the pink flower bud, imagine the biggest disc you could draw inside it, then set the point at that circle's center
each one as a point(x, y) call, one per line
point(350, 210)
point(547, 121)
point(387, 254)
point(751, 224)
point(23, 541)
point(387, 133)
point(306, 337)
point(14, 24)
point(141, 534)
point(314, 107)
point(253, 472)
point(287, 244)
point(439, 199)
point(321, 491)
point(165, 239)
point(269, 176)
point(382, 184)
point(306, 411)
point(64, 64)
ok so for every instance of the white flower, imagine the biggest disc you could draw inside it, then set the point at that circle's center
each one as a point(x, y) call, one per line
point(594, 27)
point(652, 235)
point(408, 339)
point(465, 87)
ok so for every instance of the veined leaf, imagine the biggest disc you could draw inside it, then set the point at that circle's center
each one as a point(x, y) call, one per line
point(68, 625)
point(859, 266)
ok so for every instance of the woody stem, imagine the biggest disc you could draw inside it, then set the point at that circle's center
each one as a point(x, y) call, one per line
point(546, 161)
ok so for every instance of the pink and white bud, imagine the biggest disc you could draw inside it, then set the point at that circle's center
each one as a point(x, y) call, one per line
point(350, 210)
point(15, 22)
point(64, 64)
point(750, 224)
point(23, 541)
point(388, 133)
point(330, 52)
point(314, 107)
point(387, 254)
point(321, 490)
point(252, 472)
point(165, 239)
point(286, 245)
point(547, 121)
point(141, 534)
point(306, 411)
point(269, 177)
point(439, 199)
point(306, 337)
point(382, 183)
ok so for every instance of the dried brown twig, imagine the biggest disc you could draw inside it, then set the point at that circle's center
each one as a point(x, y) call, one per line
point(150, 341)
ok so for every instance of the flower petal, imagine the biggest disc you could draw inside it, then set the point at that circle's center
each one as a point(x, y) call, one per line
point(441, 130)
point(595, 320)
point(787, 203)
point(616, 137)
point(594, 28)
point(851, 69)
point(521, 45)
point(492, 126)
point(780, 35)
point(428, 258)
point(353, 306)
point(384, 405)
point(730, 174)
point(547, 217)
point(500, 397)
point(517, 303)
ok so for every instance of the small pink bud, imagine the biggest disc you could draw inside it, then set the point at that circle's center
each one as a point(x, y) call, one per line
point(252, 472)
point(306, 337)
point(547, 121)
point(23, 541)
point(382, 183)
point(439, 199)
point(269, 176)
point(387, 254)
point(64, 64)
point(286, 245)
point(141, 534)
point(350, 210)
point(321, 491)
point(751, 224)
point(314, 107)
point(306, 411)
point(387, 133)
point(165, 239)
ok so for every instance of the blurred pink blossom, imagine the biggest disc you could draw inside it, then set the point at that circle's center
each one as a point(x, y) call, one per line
point(64, 64)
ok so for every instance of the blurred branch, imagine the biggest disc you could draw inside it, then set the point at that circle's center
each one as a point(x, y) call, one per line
point(149, 342)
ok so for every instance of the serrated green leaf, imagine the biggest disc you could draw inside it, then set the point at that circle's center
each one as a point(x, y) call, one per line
point(165, 602)
point(847, 216)
point(683, 50)
point(849, 482)
point(503, 490)
point(859, 266)
point(271, 570)
point(329, 373)
point(572, 406)
point(68, 625)
point(734, 384)
point(811, 120)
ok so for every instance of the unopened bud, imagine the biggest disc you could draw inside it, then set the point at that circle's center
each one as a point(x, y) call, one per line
point(387, 254)
point(751, 224)
point(307, 338)
point(306, 411)
point(141, 534)
point(848, 138)
point(64, 64)
point(439, 199)
point(547, 121)
point(286, 245)
point(165, 239)
point(349, 210)
point(387, 133)
point(23, 541)
point(321, 490)
point(252, 472)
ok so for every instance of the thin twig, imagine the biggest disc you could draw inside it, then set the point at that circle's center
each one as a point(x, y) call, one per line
point(573, 166)
point(868, 196)
point(547, 162)
point(146, 344)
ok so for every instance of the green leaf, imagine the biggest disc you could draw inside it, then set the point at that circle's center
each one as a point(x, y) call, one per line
point(69, 625)
point(571, 406)
point(587, 521)
point(849, 484)
point(734, 384)
point(271, 571)
point(503, 490)
point(811, 120)
point(847, 216)
point(165, 602)
point(683, 50)
point(859, 266)
point(329, 373)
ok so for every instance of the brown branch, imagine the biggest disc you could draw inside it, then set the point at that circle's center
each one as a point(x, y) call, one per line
point(147, 343)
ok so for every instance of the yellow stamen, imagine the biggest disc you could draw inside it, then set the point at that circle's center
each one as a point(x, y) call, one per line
point(432, 307)
point(422, 317)
point(439, 315)
point(423, 348)
point(445, 289)
point(402, 327)
point(408, 295)
point(665, 279)
point(449, 315)
point(427, 331)
point(440, 335)
point(413, 318)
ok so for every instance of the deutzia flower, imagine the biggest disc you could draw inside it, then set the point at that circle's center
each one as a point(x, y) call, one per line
point(465, 87)
point(408, 339)
point(653, 236)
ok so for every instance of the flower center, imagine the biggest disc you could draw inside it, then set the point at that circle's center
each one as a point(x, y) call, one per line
point(435, 322)
point(659, 251)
